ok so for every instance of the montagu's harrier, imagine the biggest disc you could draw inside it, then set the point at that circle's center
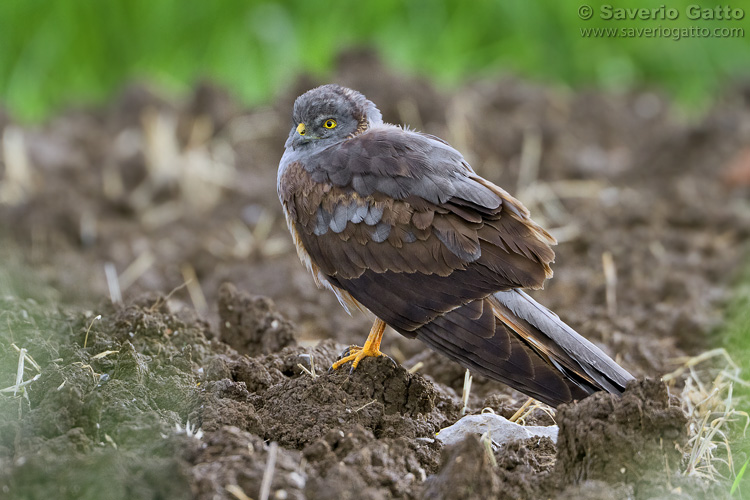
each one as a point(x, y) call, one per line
point(396, 222)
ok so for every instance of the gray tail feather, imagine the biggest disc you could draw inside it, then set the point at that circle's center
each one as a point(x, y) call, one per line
point(569, 346)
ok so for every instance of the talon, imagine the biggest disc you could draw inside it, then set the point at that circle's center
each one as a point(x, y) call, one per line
point(346, 352)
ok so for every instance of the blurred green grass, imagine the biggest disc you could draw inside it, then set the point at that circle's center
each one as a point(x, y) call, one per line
point(734, 336)
point(55, 53)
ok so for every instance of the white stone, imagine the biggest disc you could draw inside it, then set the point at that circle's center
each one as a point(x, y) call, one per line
point(501, 429)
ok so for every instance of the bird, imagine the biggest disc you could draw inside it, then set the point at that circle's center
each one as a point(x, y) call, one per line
point(396, 222)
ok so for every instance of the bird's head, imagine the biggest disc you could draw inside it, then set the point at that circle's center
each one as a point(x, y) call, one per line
point(329, 114)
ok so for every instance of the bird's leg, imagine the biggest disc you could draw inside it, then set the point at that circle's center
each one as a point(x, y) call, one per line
point(370, 349)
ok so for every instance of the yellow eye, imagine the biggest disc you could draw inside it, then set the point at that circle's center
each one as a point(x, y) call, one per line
point(301, 129)
point(330, 123)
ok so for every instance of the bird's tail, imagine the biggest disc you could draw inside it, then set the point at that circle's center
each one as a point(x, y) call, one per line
point(512, 338)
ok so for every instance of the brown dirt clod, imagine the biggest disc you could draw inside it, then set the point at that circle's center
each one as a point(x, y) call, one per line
point(621, 440)
point(251, 325)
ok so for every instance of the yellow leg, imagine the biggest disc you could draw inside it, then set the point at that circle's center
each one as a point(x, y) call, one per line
point(370, 349)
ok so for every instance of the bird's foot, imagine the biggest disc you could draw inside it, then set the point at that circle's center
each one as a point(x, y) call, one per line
point(371, 349)
point(355, 354)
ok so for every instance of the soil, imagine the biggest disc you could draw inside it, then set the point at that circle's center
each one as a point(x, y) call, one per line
point(202, 390)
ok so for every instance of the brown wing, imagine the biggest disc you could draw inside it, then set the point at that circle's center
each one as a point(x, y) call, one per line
point(389, 253)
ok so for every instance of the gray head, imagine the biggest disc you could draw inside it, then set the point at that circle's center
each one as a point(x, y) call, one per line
point(329, 114)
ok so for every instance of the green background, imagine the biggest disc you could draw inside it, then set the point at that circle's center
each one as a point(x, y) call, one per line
point(57, 53)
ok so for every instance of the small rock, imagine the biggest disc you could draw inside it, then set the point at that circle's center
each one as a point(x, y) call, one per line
point(501, 429)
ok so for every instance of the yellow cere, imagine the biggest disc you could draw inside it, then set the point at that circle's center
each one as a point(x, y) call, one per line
point(301, 129)
point(330, 123)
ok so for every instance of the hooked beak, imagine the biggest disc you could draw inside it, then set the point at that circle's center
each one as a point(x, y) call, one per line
point(304, 135)
point(301, 136)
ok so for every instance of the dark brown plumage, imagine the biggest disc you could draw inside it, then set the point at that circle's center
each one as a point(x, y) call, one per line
point(396, 222)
